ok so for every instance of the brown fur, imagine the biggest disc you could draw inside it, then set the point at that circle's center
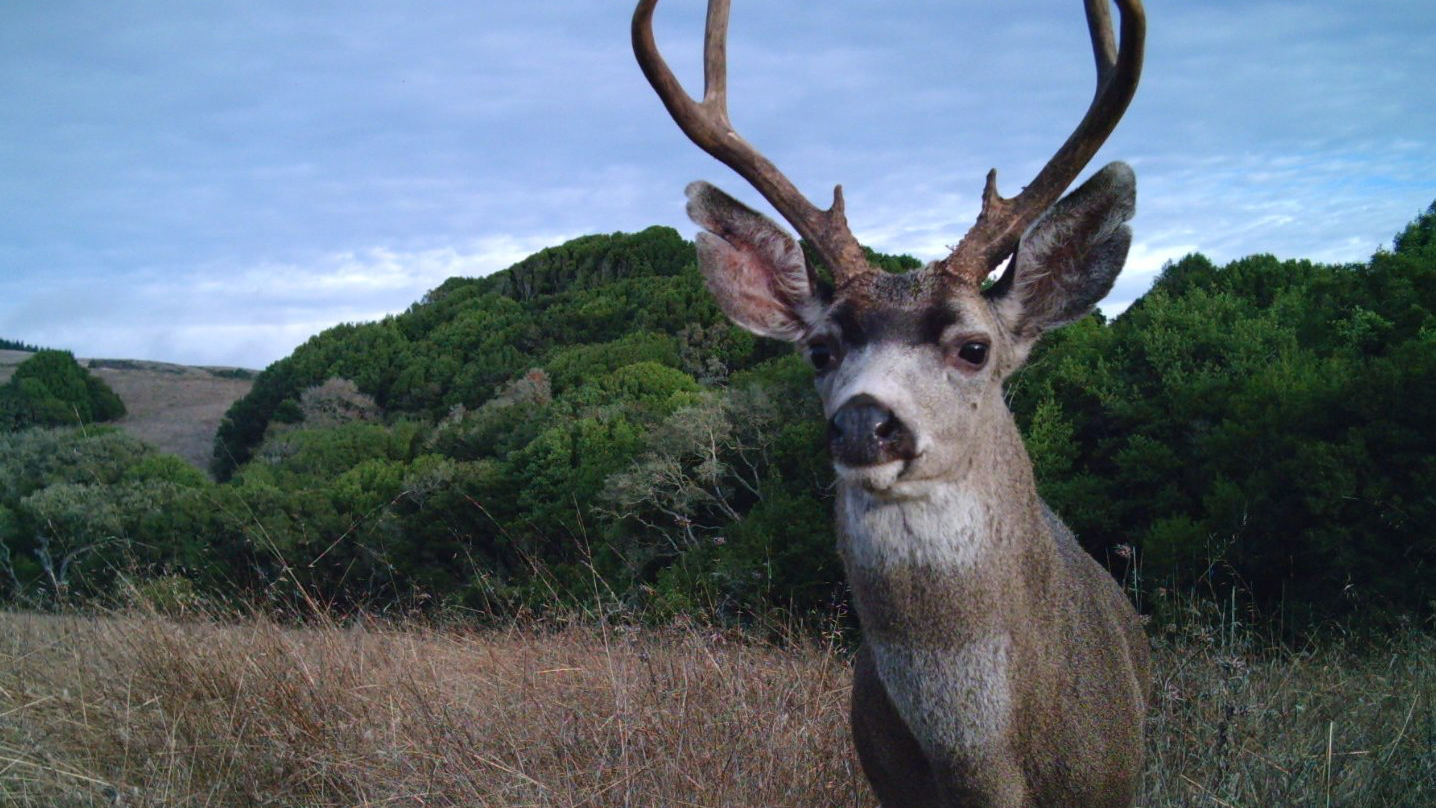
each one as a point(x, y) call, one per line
point(1079, 668)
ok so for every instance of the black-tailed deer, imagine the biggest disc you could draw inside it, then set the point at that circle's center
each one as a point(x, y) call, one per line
point(1000, 665)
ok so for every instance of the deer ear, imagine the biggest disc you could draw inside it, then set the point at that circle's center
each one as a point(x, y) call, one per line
point(1069, 258)
point(754, 269)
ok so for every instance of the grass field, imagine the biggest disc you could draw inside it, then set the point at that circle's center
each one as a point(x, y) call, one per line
point(139, 710)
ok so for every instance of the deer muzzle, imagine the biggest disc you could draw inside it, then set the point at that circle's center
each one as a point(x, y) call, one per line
point(865, 432)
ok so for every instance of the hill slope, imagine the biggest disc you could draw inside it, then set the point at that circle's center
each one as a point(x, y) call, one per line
point(175, 408)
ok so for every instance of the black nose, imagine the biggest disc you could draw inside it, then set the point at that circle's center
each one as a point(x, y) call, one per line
point(864, 432)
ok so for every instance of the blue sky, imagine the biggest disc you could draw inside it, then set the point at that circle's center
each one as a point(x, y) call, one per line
point(213, 182)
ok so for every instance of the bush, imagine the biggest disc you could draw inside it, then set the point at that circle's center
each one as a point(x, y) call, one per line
point(52, 389)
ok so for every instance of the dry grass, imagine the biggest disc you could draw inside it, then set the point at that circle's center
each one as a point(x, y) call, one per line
point(174, 408)
point(156, 712)
point(139, 710)
point(1238, 725)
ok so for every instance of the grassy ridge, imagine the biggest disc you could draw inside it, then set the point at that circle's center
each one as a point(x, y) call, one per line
point(145, 711)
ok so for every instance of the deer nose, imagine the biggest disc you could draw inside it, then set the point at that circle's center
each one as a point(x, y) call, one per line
point(864, 432)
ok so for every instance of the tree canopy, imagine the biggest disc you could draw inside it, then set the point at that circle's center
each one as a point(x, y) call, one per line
point(52, 389)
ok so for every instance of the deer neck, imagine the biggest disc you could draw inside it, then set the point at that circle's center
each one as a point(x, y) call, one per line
point(967, 557)
point(952, 589)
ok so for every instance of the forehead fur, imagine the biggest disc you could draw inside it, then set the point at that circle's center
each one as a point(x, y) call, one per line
point(908, 289)
point(911, 307)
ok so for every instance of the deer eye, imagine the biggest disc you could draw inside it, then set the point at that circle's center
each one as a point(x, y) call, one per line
point(823, 354)
point(973, 353)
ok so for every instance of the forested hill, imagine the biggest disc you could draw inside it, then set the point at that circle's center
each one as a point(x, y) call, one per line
point(588, 262)
point(586, 427)
point(470, 335)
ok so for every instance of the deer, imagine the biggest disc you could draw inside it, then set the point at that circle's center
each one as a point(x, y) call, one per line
point(1000, 664)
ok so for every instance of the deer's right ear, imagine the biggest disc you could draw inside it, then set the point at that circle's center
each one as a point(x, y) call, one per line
point(754, 269)
point(1069, 258)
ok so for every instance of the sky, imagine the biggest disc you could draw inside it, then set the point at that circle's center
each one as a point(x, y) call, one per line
point(212, 183)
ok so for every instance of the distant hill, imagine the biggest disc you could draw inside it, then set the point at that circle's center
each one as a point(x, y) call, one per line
point(592, 304)
point(175, 408)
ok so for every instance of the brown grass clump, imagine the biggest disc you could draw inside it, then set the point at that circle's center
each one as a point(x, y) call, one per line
point(146, 711)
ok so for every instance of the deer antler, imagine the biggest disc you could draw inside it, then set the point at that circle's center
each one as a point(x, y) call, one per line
point(706, 124)
point(1002, 220)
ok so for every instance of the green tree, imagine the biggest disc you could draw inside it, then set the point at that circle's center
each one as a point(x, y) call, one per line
point(52, 389)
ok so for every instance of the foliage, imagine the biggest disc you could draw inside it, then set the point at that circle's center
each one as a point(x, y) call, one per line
point(1263, 426)
point(80, 508)
point(232, 373)
point(16, 345)
point(52, 389)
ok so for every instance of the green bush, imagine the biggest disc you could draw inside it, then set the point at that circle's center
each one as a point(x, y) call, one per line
point(52, 389)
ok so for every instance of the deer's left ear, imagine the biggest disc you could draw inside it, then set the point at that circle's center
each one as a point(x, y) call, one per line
point(1069, 258)
point(755, 270)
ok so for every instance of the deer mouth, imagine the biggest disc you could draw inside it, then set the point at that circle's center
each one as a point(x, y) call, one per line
point(885, 478)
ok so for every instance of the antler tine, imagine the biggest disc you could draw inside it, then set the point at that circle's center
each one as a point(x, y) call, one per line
point(706, 124)
point(1002, 220)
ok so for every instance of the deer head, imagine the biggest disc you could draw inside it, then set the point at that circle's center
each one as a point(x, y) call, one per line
point(910, 367)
